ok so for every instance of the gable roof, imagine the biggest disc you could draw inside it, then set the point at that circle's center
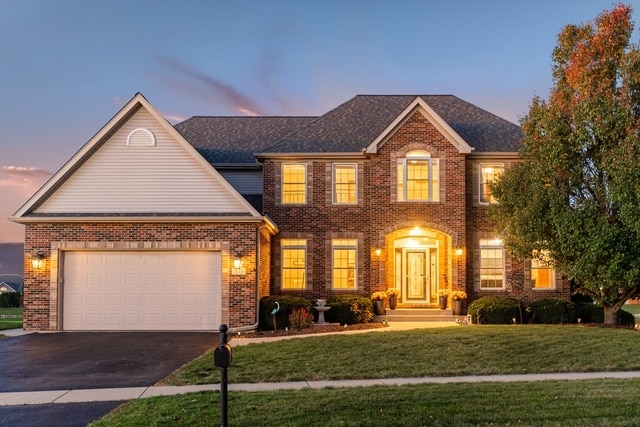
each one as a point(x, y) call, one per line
point(233, 140)
point(29, 211)
point(14, 282)
point(354, 125)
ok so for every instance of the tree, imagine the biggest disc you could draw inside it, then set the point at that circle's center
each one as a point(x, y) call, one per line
point(575, 196)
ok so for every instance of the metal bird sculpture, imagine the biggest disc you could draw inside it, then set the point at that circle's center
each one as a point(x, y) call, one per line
point(273, 315)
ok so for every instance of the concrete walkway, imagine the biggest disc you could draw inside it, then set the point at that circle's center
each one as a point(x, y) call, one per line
point(131, 393)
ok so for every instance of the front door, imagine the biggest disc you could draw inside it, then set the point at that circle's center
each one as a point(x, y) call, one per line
point(416, 280)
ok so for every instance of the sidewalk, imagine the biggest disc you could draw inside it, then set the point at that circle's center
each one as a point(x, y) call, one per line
point(131, 393)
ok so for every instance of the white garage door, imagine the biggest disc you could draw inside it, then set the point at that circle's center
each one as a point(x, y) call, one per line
point(141, 291)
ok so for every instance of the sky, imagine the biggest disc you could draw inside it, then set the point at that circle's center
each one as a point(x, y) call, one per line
point(68, 66)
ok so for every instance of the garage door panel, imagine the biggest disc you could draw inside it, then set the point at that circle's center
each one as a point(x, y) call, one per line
point(141, 290)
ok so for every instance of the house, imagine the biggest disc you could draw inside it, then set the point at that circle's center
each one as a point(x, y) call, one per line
point(157, 227)
point(11, 283)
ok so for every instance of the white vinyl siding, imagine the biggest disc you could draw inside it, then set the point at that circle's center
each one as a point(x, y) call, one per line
point(165, 178)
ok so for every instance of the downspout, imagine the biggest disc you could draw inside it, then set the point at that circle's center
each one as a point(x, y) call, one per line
point(255, 325)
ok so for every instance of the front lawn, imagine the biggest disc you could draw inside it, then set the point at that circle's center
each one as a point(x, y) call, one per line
point(10, 323)
point(550, 403)
point(426, 352)
point(473, 350)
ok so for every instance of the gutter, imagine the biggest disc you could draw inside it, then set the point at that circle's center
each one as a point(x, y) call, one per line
point(255, 325)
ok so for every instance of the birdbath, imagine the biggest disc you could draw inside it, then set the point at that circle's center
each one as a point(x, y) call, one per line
point(321, 308)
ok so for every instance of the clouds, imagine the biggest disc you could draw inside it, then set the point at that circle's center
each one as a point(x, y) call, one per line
point(25, 177)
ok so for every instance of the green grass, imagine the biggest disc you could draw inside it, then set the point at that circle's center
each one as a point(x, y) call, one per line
point(552, 403)
point(632, 308)
point(10, 323)
point(475, 350)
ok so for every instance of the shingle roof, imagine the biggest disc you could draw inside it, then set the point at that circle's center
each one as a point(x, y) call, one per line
point(223, 140)
point(14, 281)
point(347, 128)
point(356, 123)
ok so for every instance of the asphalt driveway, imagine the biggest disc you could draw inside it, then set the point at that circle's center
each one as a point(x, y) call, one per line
point(81, 360)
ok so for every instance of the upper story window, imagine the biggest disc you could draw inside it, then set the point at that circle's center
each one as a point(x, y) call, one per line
point(487, 174)
point(345, 255)
point(418, 177)
point(294, 183)
point(294, 263)
point(542, 273)
point(345, 188)
point(491, 264)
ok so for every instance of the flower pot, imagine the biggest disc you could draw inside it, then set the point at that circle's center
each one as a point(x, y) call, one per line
point(442, 302)
point(458, 307)
point(378, 307)
point(393, 302)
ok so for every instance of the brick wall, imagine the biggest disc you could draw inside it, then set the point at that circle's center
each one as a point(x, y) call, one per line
point(238, 292)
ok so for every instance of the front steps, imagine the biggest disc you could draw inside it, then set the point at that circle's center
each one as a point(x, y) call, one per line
point(418, 315)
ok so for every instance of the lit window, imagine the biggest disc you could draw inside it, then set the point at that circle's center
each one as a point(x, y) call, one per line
point(491, 264)
point(294, 183)
point(344, 263)
point(344, 184)
point(418, 177)
point(294, 263)
point(542, 273)
point(488, 173)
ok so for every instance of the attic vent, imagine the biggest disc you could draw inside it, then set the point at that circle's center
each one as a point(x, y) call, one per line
point(141, 137)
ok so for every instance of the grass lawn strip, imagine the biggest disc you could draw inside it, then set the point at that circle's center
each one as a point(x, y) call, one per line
point(10, 323)
point(455, 351)
point(552, 403)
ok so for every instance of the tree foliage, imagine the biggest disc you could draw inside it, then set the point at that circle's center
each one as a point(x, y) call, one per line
point(576, 194)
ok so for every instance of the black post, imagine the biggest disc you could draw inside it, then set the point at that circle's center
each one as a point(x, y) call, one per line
point(224, 415)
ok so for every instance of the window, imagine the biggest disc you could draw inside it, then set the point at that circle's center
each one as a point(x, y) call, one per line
point(344, 263)
point(294, 183)
point(344, 184)
point(418, 177)
point(294, 263)
point(542, 273)
point(141, 137)
point(487, 174)
point(491, 264)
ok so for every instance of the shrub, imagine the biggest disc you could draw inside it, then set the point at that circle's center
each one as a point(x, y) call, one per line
point(349, 309)
point(553, 311)
point(288, 304)
point(300, 318)
point(593, 313)
point(10, 299)
point(495, 310)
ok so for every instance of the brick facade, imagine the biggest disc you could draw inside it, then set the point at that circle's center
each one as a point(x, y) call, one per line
point(42, 293)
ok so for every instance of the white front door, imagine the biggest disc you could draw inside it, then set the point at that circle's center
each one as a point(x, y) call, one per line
point(419, 273)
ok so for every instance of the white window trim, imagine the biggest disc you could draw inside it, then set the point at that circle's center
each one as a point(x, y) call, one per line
point(306, 181)
point(355, 270)
point(427, 156)
point(333, 183)
point(504, 272)
point(284, 247)
point(480, 179)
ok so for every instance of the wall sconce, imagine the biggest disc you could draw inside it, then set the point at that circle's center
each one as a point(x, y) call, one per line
point(458, 251)
point(378, 251)
point(237, 262)
point(37, 261)
point(237, 266)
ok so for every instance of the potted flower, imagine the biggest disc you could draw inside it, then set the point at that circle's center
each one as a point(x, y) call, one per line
point(443, 295)
point(458, 298)
point(378, 302)
point(392, 294)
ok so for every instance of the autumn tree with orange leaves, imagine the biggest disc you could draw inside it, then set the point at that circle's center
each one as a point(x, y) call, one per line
point(575, 197)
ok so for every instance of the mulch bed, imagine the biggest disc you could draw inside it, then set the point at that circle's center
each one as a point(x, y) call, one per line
point(312, 330)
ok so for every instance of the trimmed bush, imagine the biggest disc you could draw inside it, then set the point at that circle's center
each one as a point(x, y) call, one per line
point(349, 309)
point(10, 299)
point(495, 311)
point(288, 304)
point(593, 313)
point(553, 311)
